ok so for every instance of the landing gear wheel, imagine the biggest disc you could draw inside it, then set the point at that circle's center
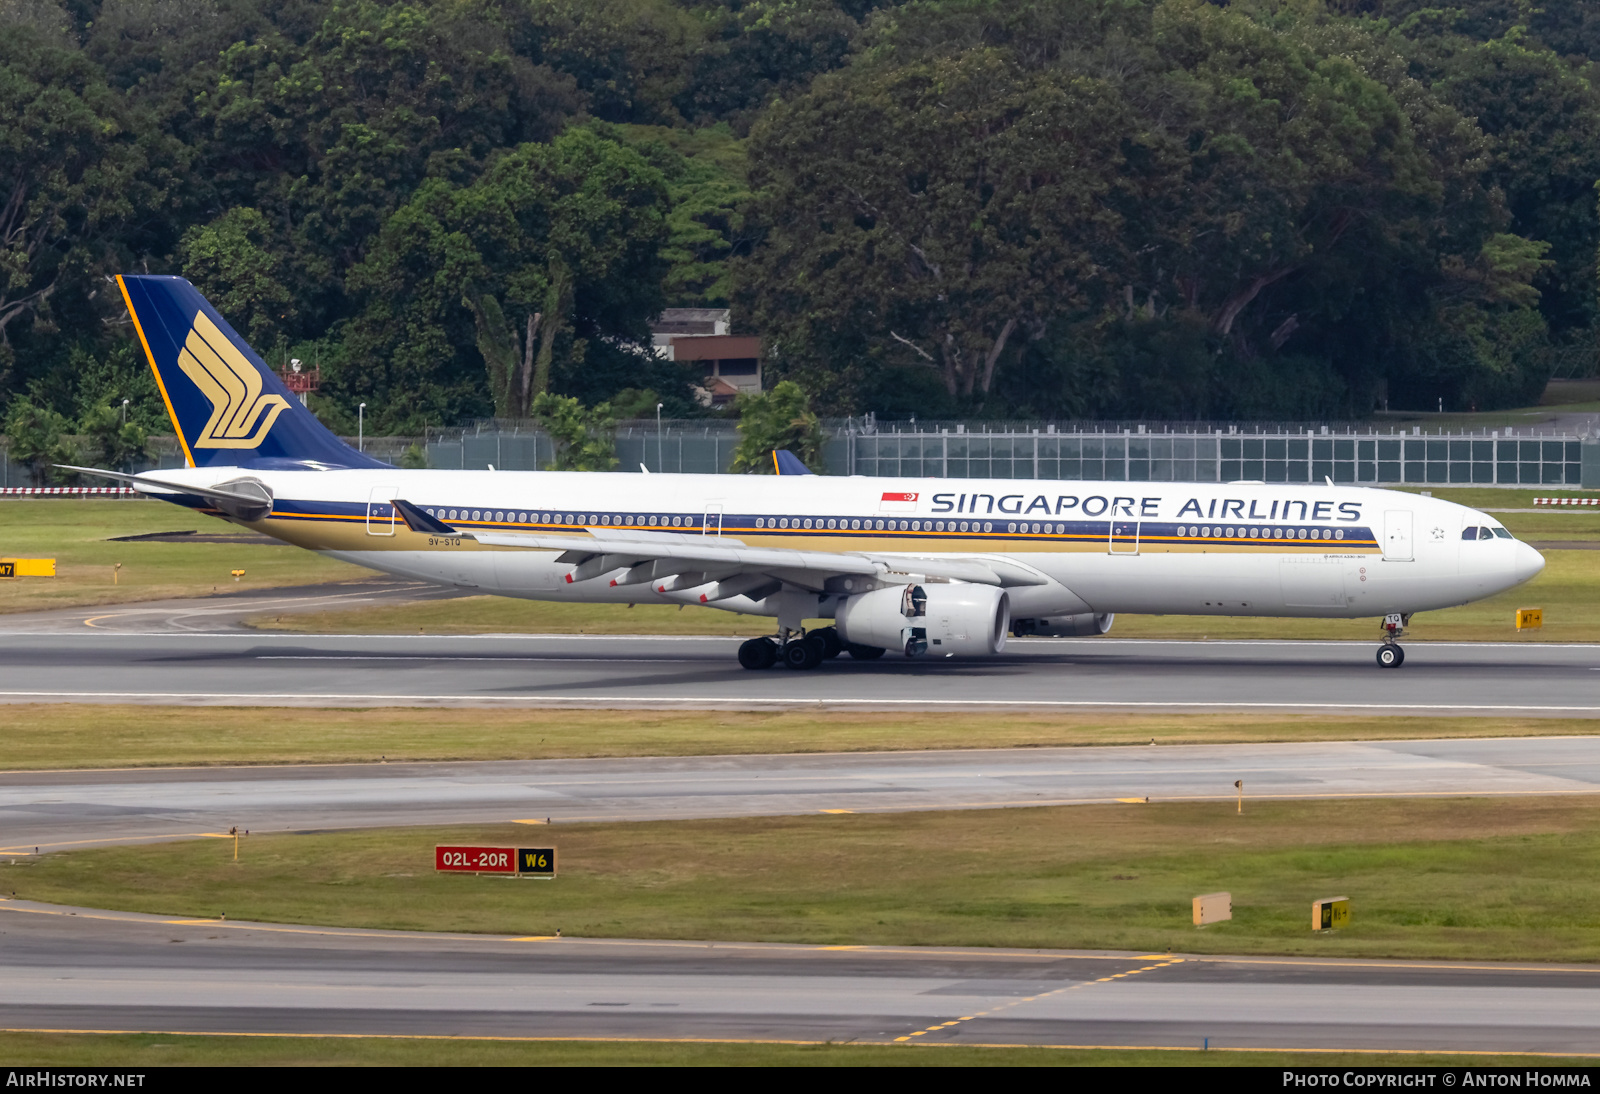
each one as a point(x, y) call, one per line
point(831, 645)
point(758, 653)
point(803, 653)
point(1391, 656)
point(864, 653)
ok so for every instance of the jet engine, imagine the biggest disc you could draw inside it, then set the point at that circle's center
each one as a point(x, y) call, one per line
point(964, 620)
point(1064, 626)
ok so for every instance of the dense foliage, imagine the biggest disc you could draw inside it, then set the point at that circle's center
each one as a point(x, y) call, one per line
point(1183, 208)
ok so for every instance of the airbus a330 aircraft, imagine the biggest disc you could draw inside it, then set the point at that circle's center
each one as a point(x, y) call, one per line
point(923, 567)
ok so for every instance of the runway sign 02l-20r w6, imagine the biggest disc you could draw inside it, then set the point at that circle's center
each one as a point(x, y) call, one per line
point(514, 861)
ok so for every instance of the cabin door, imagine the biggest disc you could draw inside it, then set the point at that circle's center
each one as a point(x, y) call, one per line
point(381, 516)
point(1397, 535)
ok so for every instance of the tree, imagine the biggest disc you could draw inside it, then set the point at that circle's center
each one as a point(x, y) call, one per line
point(36, 437)
point(630, 58)
point(230, 262)
point(72, 172)
point(764, 49)
point(707, 195)
point(558, 242)
point(1542, 120)
point(114, 443)
point(947, 207)
point(777, 419)
point(583, 436)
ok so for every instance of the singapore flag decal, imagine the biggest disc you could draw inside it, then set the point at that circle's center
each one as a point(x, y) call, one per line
point(898, 503)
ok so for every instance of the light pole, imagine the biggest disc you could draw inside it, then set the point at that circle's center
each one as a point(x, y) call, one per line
point(125, 412)
point(660, 466)
point(361, 428)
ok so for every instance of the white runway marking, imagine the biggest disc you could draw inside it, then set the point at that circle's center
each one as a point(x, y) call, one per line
point(457, 657)
point(274, 698)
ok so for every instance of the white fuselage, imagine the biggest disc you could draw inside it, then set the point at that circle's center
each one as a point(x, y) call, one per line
point(1104, 547)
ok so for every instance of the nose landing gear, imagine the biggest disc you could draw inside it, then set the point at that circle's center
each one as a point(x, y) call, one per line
point(1390, 654)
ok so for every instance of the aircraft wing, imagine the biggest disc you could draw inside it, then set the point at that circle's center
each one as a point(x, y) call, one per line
point(673, 561)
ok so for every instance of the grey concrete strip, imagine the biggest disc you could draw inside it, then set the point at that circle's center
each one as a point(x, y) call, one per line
point(226, 610)
point(85, 970)
point(54, 810)
point(1542, 679)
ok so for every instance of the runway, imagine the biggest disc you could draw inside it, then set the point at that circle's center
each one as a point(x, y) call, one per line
point(112, 971)
point(234, 668)
point(115, 971)
point(59, 810)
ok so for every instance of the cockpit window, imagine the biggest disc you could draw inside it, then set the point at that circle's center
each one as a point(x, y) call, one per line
point(1470, 533)
point(1503, 534)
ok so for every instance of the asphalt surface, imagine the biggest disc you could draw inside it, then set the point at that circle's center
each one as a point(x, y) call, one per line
point(57, 810)
point(90, 665)
point(77, 969)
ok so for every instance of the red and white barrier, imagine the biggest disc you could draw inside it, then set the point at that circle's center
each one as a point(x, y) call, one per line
point(1567, 501)
point(67, 491)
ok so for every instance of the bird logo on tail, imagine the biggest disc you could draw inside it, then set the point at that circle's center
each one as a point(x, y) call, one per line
point(240, 414)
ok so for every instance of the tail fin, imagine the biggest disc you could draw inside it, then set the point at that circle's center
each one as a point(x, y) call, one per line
point(785, 462)
point(226, 405)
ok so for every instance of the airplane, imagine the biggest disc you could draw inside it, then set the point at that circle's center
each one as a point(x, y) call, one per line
point(928, 568)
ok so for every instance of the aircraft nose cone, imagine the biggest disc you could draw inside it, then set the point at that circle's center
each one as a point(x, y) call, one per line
point(1527, 562)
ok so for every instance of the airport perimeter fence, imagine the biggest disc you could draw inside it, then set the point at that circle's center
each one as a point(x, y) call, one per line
point(1123, 452)
point(1116, 451)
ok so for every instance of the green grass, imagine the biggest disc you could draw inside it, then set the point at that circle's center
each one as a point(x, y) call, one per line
point(1561, 396)
point(60, 736)
point(1479, 879)
point(75, 533)
point(287, 1050)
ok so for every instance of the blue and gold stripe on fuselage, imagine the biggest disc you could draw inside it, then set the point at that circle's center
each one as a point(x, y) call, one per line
point(325, 525)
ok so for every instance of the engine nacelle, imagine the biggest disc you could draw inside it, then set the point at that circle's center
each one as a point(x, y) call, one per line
point(1064, 626)
point(965, 620)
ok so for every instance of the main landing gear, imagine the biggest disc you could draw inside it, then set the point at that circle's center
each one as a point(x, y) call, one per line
point(802, 651)
point(1390, 654)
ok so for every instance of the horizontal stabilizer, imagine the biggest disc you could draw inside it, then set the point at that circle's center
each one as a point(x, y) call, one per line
point(246, 499)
